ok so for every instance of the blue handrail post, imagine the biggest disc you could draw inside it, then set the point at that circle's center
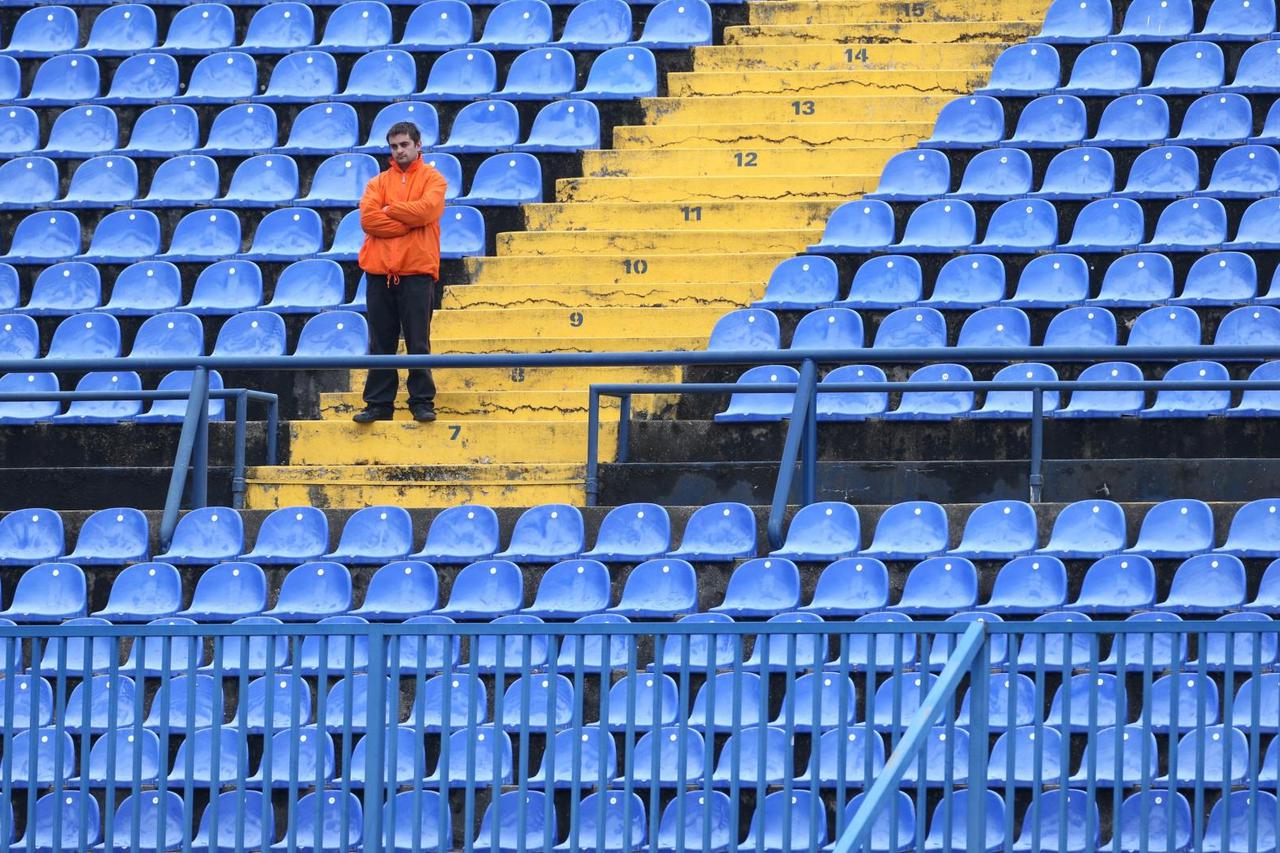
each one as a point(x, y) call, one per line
point(624, 427)
point(1036, 479)
point(200, 449)
point(796, 430)
point(237, 472)
point(979, 707)
point(593, 445)
point(273, 426)
point(197, 410)
point(375, 756)
point(809, 458)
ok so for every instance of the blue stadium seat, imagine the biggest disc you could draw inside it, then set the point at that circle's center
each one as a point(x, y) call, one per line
point(810, 651)
point(1255, 530)
point(1190, 224)
point(381, 76)
point(1191, 404)
point(718, 532)
point(437, 25)
point(699, 651)
point(1256, 72)
point(47, 767)
point(1172, 326)
point(1134, 762)
point(1137, 280)
point(1223, 757)
point(1053, 121)
point(461, 75)
point(260, 652)
point(226, 287)
point(1107, 225)
point(122, 30)
point(1181, 702)
point(851, 586)
point(227, 591)
point(125, 236)
point(998, 530)
point(19, 336)
point(516, 25)
point(491, 756)
point(64, 79)
point(546, 534)
point(339, 181)
point(336, 820)
point(571, 589)
point(354, 690)
point(1258, 403)
point(29, 412)
point(82, 131)
point(996, 175)
point(1175, 529)
point(726, 702)
point(210, 234)
point(348, 239)
point(172, 334)
point(97, 655)
point(765, 586)
point(405, 759)
point(564, 126)
point(432, 653)
point(1087, 529)
point(27, 181)
point(89, 335)
point(61, 819)
point(287, 234)
point(675, 24)
point(968, 122)
point(596, 759)
point(333, 333)
point(911, 328)
point(641, 714)
point(482, 127)
point(1052, 281)
point(659, 588)
point(48, 592)
point(43, 237)
point(949, 826)
point(1021, 226)
point(143, 79)
point(252, 333)
point(939, 585)
point(1132, 121)
point(1262, 689)
point(898, 698)
point(608, 808)
point(783, 822)
point(183, 704)
point(484, 590)
point(420, 113)
point(461, 534)
point(222, 78)
point(321, 128)
point(294, 758)
point(999, 326)
point(1257, 325)
point(1239, 20)
point(1244, 819)
point(112, 537)
point(1111, 68)
point(1270, 129)
point(895, 827)
point(147, 656)
point(968, 281)
point(632, 533)
point(109, 181)
point(852, 405)
point(917, 175)
point(462, 229)
point(817, 700)
point(1208, 583)
point(1153, 820)
point(941, 225)
point(400, 590)
point(596, 25)
point(828, 328)
point(1216, 120)
point(308, 286)
point(302, 77)
point(540, 74)
point(1188, 68)
point(1157, 20)
point(909, 531)
point(267, 180)
point(1105, 404)
point(594, 653)
point(44, 31)
point(242, 817)
point(142, 592)
point(864, 759)
point(1011, 697)
point(827, 530)
point(1062, 815)
point(503, 179)
point(857, 227)
point(1023, 70)
point(173, 411)
point(668, 757)
point(312, 591)
point(9, 296)
point(290, 704)
point(241, 129)
point(357, 27)
point(279, 28)
point(64, 289)
point(934, 405)
point(1095, 701)
point(621, 74)
point(523, 821)
point(1055, 650)
point(799, 283)
point(373, 535)
point(144, 747)
point(548, 698)
point(101, 700)
point(1078, 173)
point(200, 29)
point(1118, 584)
point(19, 131)
point(1246, 171)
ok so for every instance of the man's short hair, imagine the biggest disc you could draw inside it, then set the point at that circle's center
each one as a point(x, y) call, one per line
point(405, 128)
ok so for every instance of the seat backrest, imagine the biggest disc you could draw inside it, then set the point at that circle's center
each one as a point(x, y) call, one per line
point(171, 128)
point(1225, 115)
point(999, 326)
point(252, 333)
point(203, 27)
point(71, 285)
point(1060, 278)
point(1026, 68)
point(465, 71)
point(862, 224)
point(210, 233)
point(1194, 222)
point(174, 333)
point(1191, 65)
point(998, 172)
point(343, 177)
point(1222, 276)
point(266, 177)
point(488, 124)
point(384, 73)
point(808, 282)
point(334, 333)
point(542, 70)
point(518, 22)
point(281, 25)
point(623, 72)
point(886, 281)
point(600, 22)
point(29, 179)
point(508, 177)
point(48, 29)
point(912, 327)
point(973, 120)
point(243, 127)
point(153, 76)
point(1167, 19)
point(420, 113)
point(1112, 66)
point(360, 24)
point(293, 232)
point(84, 129)
point(1052, 119)
point(90, 335)
point(1166, 326)
point(1247, 169)
point(127, 27)
point(941, 223)
point(828, 328)
point(1142, 278)
point(307, 74)
point(922, 172)
point(1023, 224)
point(1086, 170)
point(1135, 117)
point(439, 23)
point(225, 75)
point(19, 130)
point(228, 285)
point(324, 126)
point(746, 329)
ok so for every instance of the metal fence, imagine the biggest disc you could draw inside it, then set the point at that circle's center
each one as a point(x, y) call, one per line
point(674, 736)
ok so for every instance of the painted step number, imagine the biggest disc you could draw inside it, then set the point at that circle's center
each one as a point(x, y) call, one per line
point(745, 159)
point(575, 319)
point(860, 55)
point(803, 108)
point(454, 431)
point(635, 266)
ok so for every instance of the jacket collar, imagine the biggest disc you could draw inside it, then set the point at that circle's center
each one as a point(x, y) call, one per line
point(413, 167)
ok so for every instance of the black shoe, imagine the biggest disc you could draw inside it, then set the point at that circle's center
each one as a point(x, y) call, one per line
point(423, 413)
point(371, 414)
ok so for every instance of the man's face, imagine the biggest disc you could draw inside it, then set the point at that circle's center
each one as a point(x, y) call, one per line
point(403, 149)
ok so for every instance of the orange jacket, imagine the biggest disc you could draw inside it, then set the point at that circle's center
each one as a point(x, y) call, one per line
point(400, 214)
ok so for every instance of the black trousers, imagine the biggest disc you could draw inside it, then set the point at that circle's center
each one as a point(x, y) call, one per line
point(391, 310)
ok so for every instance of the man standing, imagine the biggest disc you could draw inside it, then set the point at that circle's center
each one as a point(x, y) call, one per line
point(400, 213)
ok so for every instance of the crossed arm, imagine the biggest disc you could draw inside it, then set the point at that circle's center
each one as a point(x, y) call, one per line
point(399, 218)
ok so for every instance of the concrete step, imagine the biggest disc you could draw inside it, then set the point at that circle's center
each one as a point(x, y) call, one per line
point(604, 243)
point(416, 486)
point(723, 296)
point(676, 340)
point(597, 321)
point(783, 134)
point(950, 39)
point(845, 48)
point(869, 11)
point(955, 81)
point(721, 162)
point(784, 109)
point(502, 405)
point(538, 378)
point(838, 187)
point(709, 216)
point(444, 442)
point(554, 269)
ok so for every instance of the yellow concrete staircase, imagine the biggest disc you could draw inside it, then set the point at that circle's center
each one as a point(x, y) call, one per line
point(735, 170)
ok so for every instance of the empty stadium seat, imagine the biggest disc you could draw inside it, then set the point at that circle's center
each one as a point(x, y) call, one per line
point(375, 534)
point(234, 817)
point(937, 404)
point(252, 333)
point(939, 585)
point(19, 131)
point(356, 27)
point(226, 591)
point(596, 25)
point(486, 126)
point(1238, 816)
point(222, 78)
point(328, 815)
point(1055, 650)
point(517, 25)
point(517, 821)
point(800, 283)
point(995, 175)
point(48, 592)
point(1132, 120)
point(917, 175)
point(1052, 121)
point(312, 591)
point(62, 819)
point(259, 653)
point(621, 73)
point(1052, 281)
point(431, 653)
point(462, 74)
point(381, 76)
point(111, 537)
point(632, 533)
point(1246, 171)
point(1256, 70)
point(851, 586)
point(485, 590)
point(1239, 20)
point(1175, 529)
point(437, 25)
point(998, 326)
point(64, 79)
point(1188, 68)
point(1255, 530)
point(400, 590)
point(968, 122)
point(1021, 226)
point(26, 181)
point(571, 589)
point(290, 705)
point(44, 32)
point(301, 757)
point(851, 405)
point(226, 287)
point(125, 236)
point(302, 77)
point(910, 530)
point(1183, 404)
point(949, 825)
point(659, 588)
point(200, 29)
point(64, 289)
point(595, 655)
point(1240, 651)
point(44, 237)
point(1216, 120)
point(1024, 69)
point(109, 704)
point(279, 28)
point(204, 235)
point(504, 180)
point(1102, 404)
point(718, 532)
point(143, 79)
point(30, 412)
point(540, 74)
point(939, 226)
point(148, 288)
point(171, 334)
point(1173, 326)
point(267, 180)
point(675, 24)
point(89, 335)
point(1094, 701)
point(577, 759)
point(912, 328)
point(182, 182)
point(1190, 224)
point(144, 747)
point(142, 592)
point(764, 586)
point(968, 281)
point(1079, 173)
point(1157, 20)
point(109, 181)
point(461, 534)
point(1249, 326)
point(241, 129)
point(828, 328)
point(857, 227)
point(546, 534)
point(1062, 815)
point(1107, 225)
point(827, 530)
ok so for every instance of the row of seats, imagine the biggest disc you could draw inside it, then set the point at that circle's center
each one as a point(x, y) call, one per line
point(301, 78)
point(942, 405)
point(284, 234)
point(1112, 224)
point(1076, 22)
point(1165, 171)
point(173, 130)
point(1061, 121)
point(1054, 280)
point(361, 26)
point(999, 326)
point(550, 533)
